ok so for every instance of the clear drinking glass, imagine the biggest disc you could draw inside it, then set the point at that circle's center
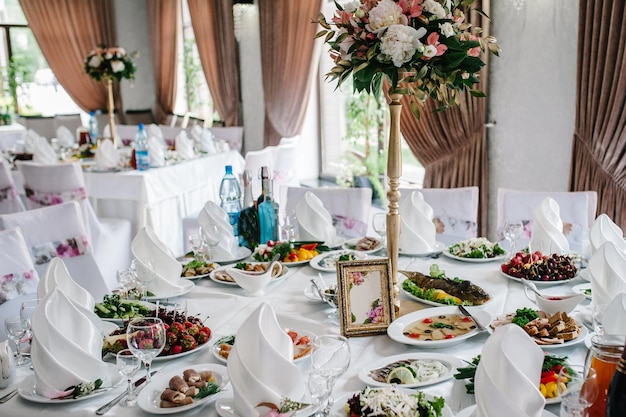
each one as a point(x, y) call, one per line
point(27, 308)
point(513, 230)
point(195, 241)
point(578, 389)
point(211, 238)
point(16, 330)
point(128, 365)
point(379, 224)
point(320, 389)
point(146, 339)
point(145, 275)
point(289, 221)
point(330, 355)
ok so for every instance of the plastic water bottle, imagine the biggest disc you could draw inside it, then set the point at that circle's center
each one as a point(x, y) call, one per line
point(230, 195)
point(93, 127)
point(141, 149)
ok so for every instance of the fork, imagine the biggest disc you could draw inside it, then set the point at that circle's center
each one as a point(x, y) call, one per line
point(480, 327)
point(8, 396)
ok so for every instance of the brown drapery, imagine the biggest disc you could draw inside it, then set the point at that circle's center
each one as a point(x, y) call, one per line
point(213, 27)
point(452, 144)
point(599, 147)
point(164, 18)
point(66, 30)
point(287, 45)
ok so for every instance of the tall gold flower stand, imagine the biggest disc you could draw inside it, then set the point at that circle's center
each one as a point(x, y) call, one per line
point(111, 110)
point(394, 172)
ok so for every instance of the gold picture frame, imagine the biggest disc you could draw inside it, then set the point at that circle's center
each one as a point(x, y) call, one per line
point(365, 297)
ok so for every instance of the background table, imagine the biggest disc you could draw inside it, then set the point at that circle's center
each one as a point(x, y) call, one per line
point(10, 135)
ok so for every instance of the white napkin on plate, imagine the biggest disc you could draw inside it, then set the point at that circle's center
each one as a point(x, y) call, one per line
point(204, 139)
point(107, 157)
point(213, 215)
point(106, 133)
point(65, 137)
point(260, 365)
point(508, 374)
point(57, 276)
point(66, 347)
point(43, 152)
point(614, 317)
point(547, 230)
point(417, 230)
point(607, 273)
point(155, 131)
point(148, 249)
point(604, 229)
point(314, 221)
point(184, 145)
point(156, 152)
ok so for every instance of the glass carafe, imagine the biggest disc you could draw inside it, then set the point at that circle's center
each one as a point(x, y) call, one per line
point(603, 356)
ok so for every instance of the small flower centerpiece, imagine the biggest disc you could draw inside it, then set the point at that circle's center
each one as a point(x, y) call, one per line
point(110, 64)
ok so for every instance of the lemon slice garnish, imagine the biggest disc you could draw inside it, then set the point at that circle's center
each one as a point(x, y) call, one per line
point(400, 375)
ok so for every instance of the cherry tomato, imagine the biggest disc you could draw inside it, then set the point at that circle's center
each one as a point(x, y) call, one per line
point(414, 335)
point(450, 336)
point(427, 320)
point(466, 319)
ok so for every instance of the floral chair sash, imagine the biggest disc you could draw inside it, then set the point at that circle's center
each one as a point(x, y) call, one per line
point(71, 247)
point(8, 192)
point(18, 283)
point(348, 226)
point(45, 198)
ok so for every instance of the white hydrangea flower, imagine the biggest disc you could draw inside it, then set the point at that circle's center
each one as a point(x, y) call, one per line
point(351, 6)
point(431, 6)
point(108, 55)
point(117, 66)
point(446, 29)
point(121, 52)
point(399, 44)
point(429, 51)
point(94, 62)
point(385, 14)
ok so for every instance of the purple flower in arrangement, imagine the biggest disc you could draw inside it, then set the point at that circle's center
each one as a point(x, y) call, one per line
point(374, 314)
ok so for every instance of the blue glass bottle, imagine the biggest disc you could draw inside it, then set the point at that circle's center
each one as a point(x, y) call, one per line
point(268, 209)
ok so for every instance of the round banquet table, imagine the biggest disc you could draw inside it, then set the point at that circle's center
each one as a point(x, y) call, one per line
point(226, 307)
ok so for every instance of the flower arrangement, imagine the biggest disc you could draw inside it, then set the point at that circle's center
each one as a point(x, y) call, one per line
point(109, 63)
point(425, 45)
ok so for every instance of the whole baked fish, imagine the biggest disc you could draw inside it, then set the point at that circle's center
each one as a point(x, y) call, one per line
point(462, 289)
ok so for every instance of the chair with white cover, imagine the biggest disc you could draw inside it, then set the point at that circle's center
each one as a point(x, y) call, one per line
point(455, 211)
point(10, 201)
point(254, 161)
point(285, 166)
point(18, 277)
point(59, 230)
point(349, 207)
point(53, 184)
point(233, 135)
point(577, 211)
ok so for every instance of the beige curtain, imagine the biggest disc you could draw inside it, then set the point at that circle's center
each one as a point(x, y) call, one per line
point(598, 161)
point(66, 30)
point(452, 145)
point(287, 44)
point(164, 18)
point(212, 22)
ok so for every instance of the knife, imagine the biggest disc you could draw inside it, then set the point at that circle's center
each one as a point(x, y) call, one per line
point(102, 410)
point(480, 327)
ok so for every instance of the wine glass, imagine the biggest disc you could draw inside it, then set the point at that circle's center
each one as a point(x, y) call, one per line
point(330, 355)
point(379, 224)
point(16, 331)
point(145, 275)
point(513, 230)
point(288, 226)
point(195, 241)
point(128, 365)
point(578, 390)
point(210, 238)
point(320, 389)
point(146, 339)
point(27, 308)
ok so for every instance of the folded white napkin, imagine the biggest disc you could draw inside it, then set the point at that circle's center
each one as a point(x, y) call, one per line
point(204, 139)
point(156, 151)
point(604, 229)
point(106, 133)
point(66, 347)
point(155, 131)
point(58, 277)
point(107, 157)
point(29, 137)
point(65, 137)
point(43, 152)
point(147, 249)
point(213, 215)
point(508, 374)
point(547, 230)
point(260, 365)
point(614, 318)
point(184, 145)
point(417, 230)
point(607, 273)
point(221, 145)
point(314, 221)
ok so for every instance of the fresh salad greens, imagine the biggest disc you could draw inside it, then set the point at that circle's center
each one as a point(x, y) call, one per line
point(477, 248)
point(523, 316)
point(114, 307)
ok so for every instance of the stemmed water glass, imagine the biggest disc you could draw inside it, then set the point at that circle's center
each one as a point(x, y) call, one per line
point(128, 365)
point(513, 230)
point(195, 241)
point(145, 274)
point(211, 238)
point(288, 226)
point(320, 389)
point(146, 339)
point(330, 357)
point(16, 330)
point(578, 391)
point(379, 224)
point(27, 308)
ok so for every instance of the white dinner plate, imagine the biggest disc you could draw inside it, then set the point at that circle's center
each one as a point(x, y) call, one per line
point(225, 407)
point(439, 247)
point(502, 257)
point(181, 354)
point(537, 282)
point(449, 361)
point(396, 328)
point(240, 253)
point(584, 332)
point(316, 262)
point(286, 272)
point(338, 410)
point(434, 303)
point(468, 412)
point(350, 244)
point(584, 289)
point(26, 388)
point(150, 396)
point(186, 285)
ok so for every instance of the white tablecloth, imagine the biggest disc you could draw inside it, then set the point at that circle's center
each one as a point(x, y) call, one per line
point(226, 308)
point(10, 135)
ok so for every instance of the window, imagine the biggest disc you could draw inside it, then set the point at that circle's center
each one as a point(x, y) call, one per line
point(28, 86)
